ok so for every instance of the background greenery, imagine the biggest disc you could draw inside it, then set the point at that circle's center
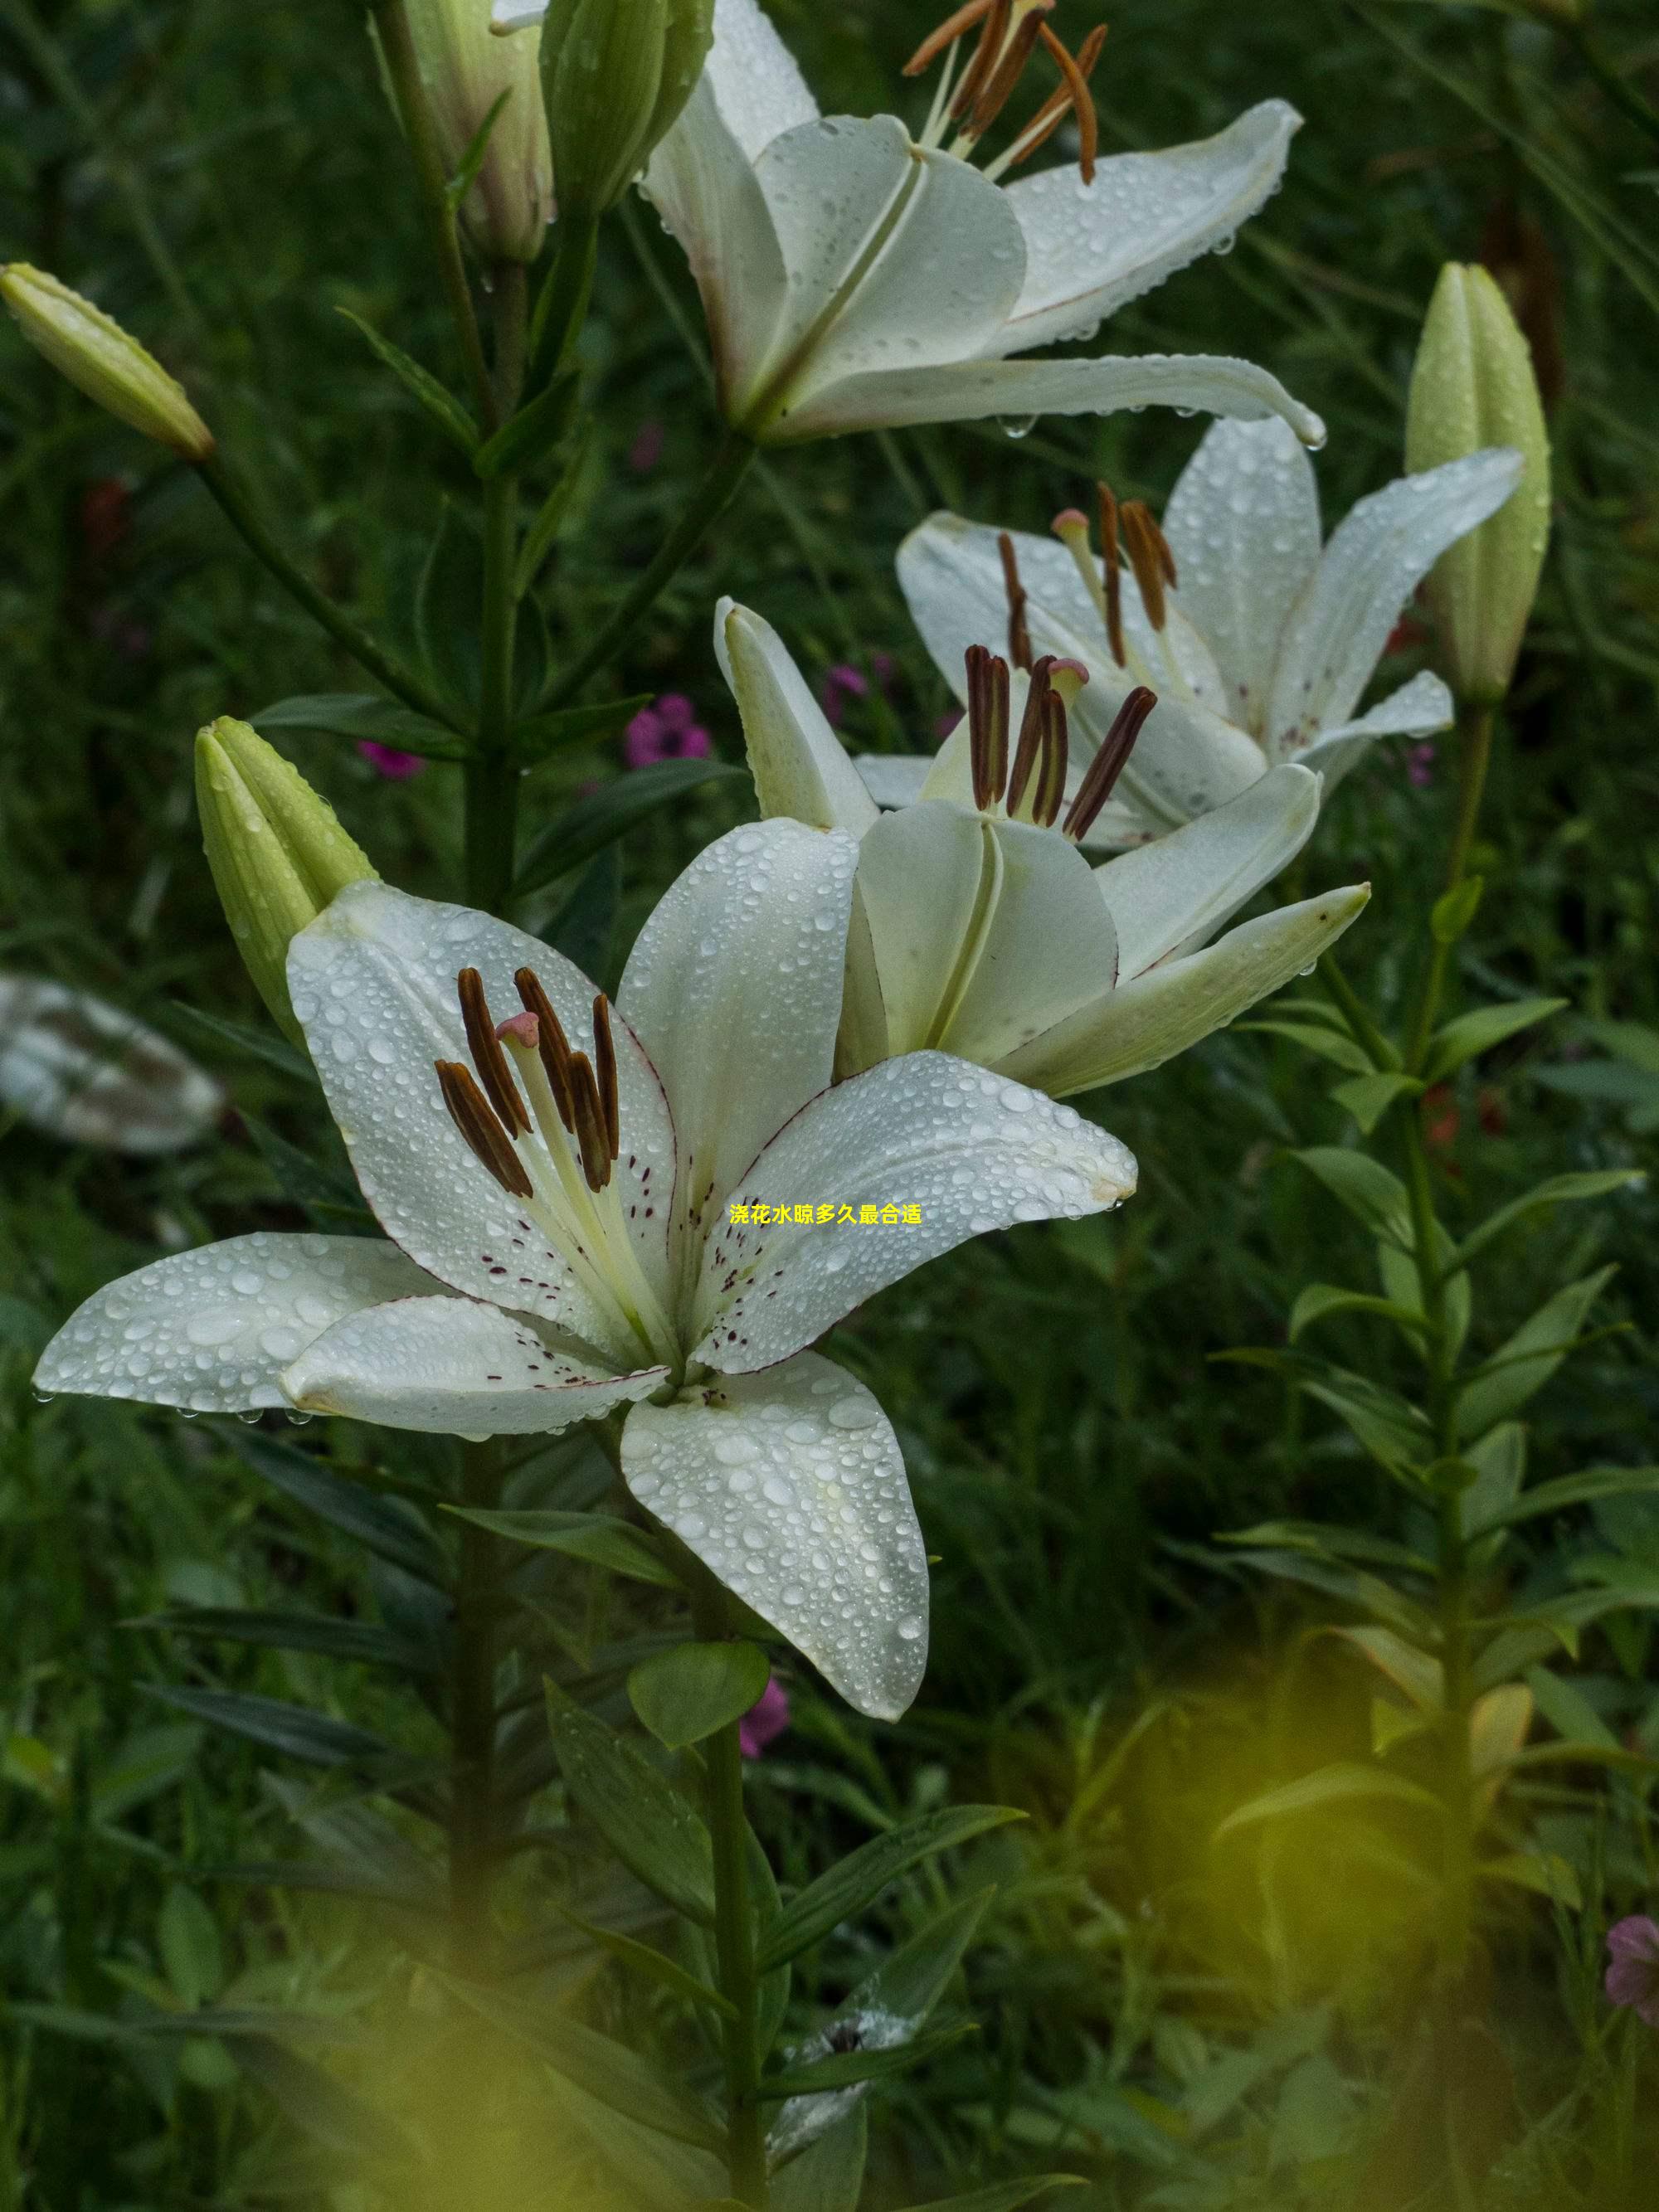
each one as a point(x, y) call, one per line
point(1186, 2023)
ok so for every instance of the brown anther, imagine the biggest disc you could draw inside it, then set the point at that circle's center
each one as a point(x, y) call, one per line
point(1074, 89)
point(993, 32)
point(474, 1117)
point(948, 33)
point(1052, 763)
point(1033, 730)
point(550, 1042)
point(1066, 101)
point(487, 1054)
point(604, 1068)
point(1009, 70)
point(1150, 557)
point(1104, 770)
point(1114, 572)
point(988, 724)
point(1019, 637)
point(590, 1133)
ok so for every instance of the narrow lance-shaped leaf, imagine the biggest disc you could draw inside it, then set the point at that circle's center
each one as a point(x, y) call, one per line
point(837, 1895)
point(447, 412)
point(651, 1827)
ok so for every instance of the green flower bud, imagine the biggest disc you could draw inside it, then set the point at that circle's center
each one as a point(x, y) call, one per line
point(1474, 385)
point(615, 75)
point(465, 70)
point(277, 852)
point(99, 359)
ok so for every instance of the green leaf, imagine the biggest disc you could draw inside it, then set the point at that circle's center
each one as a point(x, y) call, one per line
point(658, 2173)
point(545, 528)
point(1329, 1540)
point(1365, 1187)
point(363, 717)
point(187, 1936)
point(1345, 1782)
point(304, 1182)
point(844, 2069)
point(653, 1965)
point(1003, 2196)
point(847, 1888)
point(1566, 1491)
point(1527, 1361)
point(1559, 1190)
point(1454, 910)
point(829, 2175)
point(444, 410)
point(446, 603)
point(258, 1044)
point(1500, 1463)
point(1368, 1097)
point(323, 2108)
point(584, 926)
point(1545, 1872)
point(595, 822)
point(651, 1827)
point(388, 1526)
point(541, 735)
point(1409, 1669)
point(533, 431)
point(911, 1981)
point(1479, 1031)
point(321, 1632)
point(599, 1538)
point(690, 1693)
point(150, 1760)
point(1334, 1045)
point(1567, 1710)
point(1320, 1299)
point(473, 160)
point(1396, 1433)
point(293, 1731)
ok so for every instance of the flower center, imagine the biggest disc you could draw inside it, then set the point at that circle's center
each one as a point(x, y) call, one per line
point(1034, 789)
point(1010, 31)
point(557, 1153)
point(1153, 565)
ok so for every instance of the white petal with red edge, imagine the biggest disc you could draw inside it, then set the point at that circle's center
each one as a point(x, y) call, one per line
point(1421, 709)
point(212, 1330)
point(790, 1487)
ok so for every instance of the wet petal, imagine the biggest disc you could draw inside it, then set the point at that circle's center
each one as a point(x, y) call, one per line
point(970, 1150)
point(790, 1487)
point(1091, 248)
point(1046, 944)
point(1168, 896)
point(373, 981)
point(754, 76)
point(1417, 710)
point(1376, 557)
point(457, 1368)
point(734, 988)
point(213, 1329)
point(1147, 1021)
point(80, 1070)
point(894, 779)
point(1242, 523)
point(799, 765)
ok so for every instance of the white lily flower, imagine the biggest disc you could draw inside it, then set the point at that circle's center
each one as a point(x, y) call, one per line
point(74, 1066)
point(853, 276)
point(1258, 643)
point(562, 1238)
point(980, 929)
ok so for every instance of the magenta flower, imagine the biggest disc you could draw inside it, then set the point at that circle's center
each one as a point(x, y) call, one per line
point(1419, 766)
point(646, 450)
point(666, 730)
point(765, 1721)
point(1633, 1970)
point(386, 759)
point(845, 682)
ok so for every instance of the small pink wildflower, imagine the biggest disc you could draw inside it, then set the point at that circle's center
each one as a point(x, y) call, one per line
point(386, 759)
point(1420, 766)
point(666, 730)
point(845, 682)
point(646, 450)
point(1633, 1971)
point(765, 1721)
point(946, 723)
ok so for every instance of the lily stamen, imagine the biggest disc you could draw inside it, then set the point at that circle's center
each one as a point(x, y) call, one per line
point(1019, 637)
point(1150, 559)
point(952, 29)
point(1010, 68)
point(474, 1117)
point(1108, 764)
point(988, 724)
point(1071, 97)
point(1033, 732)
point(1113, 562)
point(487, 1054)
point(992, 34)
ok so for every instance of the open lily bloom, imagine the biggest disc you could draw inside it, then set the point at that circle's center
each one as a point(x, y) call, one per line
point(980, 929)
point(75, 1067)
point(576, 1232)
point(853, 276)
point(1258, 643)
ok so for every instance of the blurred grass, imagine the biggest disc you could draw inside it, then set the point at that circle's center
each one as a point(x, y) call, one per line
point(1192, 2030)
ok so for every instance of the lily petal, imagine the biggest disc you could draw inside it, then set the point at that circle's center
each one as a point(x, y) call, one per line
point(1149, 1020)
point(920, 876)
point(373, 982)
point(893, 779)
point(86, 1073)
point(734, 988)
point(973, 1151)
point(899, 257)
point(1417, 710)
point(212, 1330)
point(1046, 944)
point(1377, 555)
point(1168, 897)
point(1242, 523)
point(800, 767)
point(754, 76)
point(1093, 248)
point(790, 1487)
point(456, 1367)
point(1020, 390)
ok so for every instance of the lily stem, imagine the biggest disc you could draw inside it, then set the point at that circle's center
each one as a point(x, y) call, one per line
point(472, 1719)
point(1475, 759)
point(734, 1937)
point(730, 466)
point(346, 633)
point(491, 778)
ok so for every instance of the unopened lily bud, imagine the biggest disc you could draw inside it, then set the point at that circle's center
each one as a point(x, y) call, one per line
point(76, 1068)
point(277, 850)
point(615, 75)
point(1474, 386)
point(465, 70)
point(100, 359)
